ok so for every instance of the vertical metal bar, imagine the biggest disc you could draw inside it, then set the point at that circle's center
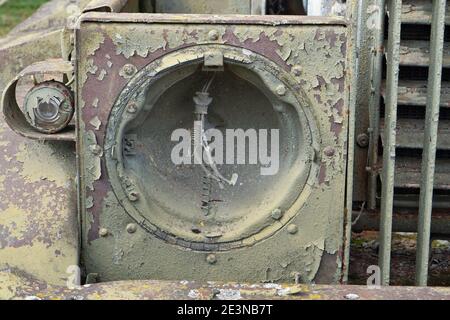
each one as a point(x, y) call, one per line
point(374, 101)
point(387, 193)
point(352, 60)
point(429, 143)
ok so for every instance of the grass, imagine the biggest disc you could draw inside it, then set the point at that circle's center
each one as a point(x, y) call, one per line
point(13, 12)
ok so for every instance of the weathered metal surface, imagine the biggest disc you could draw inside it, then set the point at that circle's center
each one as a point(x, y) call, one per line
point(105, 5)
point(387, 190)
point(414, 93)
point(204, 6)
point(410, 134)
point(417, 53)
point(378, 15)
point(15, 117)
point(430, 142)
point(220, 19)
point(407, 173)
point(419, 12)
point(104, 50)
point(405, 219)
point(16, 285)
point(353, 15)
point(328, 8)
point(38, 216)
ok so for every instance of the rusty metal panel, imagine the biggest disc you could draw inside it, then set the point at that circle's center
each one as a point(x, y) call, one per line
point(414, 93)
point(407, 173)
point(410, 134)
point(417, 53)
point(419, 12)
point(113, 55)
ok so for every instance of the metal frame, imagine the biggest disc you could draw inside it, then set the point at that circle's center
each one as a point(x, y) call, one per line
point(430, 141)
point(387, 195)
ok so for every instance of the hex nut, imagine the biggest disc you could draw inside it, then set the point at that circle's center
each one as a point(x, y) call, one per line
point(131, 228)
point(292, 229)
point(211, 259)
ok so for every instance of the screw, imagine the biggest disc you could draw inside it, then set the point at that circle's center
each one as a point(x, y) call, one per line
point(103, 232)
point(297, 71)
point(292, 229)
point(211, 259)
point(329, 151)
point(213, 35)
point(277, 214)
point(363, 140)
point(131, 228)
point(281, 90)
point(132, 108)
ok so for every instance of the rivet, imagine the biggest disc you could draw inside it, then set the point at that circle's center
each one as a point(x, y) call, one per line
point(277, 214)
point(133, 196)
point(96, 150)
point(131, 228)
point(132, 108)
point(211, 259)
point(213, 35)
point(103, 232)
point(281, 90)
point(292, 229)
point(329, 151)
point(128, 71)
point(363, 140)
point(297, 71)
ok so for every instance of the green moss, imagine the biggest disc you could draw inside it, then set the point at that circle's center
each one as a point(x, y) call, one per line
point(13, 12)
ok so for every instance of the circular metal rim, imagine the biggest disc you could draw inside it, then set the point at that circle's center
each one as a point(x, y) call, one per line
point(134, 89)
point(64, 91)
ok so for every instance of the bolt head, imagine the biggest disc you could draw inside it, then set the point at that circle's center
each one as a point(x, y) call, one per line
point(363, 140)
point(129, 69)
point(103, 232)
point(329, 151)
point(292, 229)
point(211, 258)
point(281, 90)
point(131, 228)
point(277, 214)
point(213, 35)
